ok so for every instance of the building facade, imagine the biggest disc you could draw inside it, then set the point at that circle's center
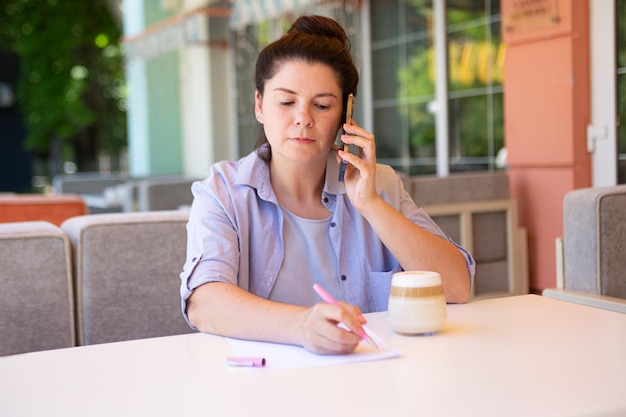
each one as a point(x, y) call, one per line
point(446, 87)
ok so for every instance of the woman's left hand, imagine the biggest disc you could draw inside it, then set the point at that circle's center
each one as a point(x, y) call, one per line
point(360, 178)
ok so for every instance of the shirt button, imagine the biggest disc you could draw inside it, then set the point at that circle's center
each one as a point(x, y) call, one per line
point(333, 224)
point(343, 277)
point(325, 199)
point(193, 259)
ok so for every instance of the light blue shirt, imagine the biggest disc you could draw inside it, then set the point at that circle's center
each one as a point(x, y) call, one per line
point(235, 233)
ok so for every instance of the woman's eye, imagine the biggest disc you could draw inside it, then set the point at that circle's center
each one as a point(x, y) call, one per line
point(286, 103)
point(323, 106)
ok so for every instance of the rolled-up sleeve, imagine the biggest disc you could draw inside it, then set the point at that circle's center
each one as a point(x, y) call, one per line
point(469, 260)
point(212, 243)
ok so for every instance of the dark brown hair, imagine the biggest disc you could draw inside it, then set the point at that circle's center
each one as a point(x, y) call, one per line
point(313, 39)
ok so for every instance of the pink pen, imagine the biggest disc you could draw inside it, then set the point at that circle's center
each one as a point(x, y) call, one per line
point(331, 300)
point(249, 362)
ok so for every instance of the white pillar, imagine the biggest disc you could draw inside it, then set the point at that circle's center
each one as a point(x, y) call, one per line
point(441, 88)
point(137, 99)
point(206, 103)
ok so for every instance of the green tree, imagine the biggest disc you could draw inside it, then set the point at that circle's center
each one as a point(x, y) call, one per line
point(71, 89)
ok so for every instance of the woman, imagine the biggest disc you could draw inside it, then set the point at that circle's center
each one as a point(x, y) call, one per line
point(264, 229)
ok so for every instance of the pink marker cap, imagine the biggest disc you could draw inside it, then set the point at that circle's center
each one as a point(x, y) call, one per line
point(249, 362)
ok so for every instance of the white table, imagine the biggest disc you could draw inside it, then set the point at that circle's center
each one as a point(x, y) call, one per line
point(514, 356)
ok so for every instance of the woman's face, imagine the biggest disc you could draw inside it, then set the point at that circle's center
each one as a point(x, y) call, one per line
point(301, 111)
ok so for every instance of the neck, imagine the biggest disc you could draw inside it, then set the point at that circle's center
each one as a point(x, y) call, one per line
point(299, 188)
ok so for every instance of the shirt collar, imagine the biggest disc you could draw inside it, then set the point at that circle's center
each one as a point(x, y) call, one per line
point(254, 172)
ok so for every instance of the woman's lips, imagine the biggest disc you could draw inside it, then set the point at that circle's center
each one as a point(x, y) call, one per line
point(302, 140)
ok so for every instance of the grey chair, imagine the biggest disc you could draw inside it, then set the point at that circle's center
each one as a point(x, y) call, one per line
point(594, 238)
point(36, 300)
point(163, 193)
point(94, 188)
point(127, 268)
point(85, 182)
point(475, 209)
point(591, 255)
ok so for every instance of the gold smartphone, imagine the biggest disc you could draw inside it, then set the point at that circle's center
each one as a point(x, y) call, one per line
point(349, 111)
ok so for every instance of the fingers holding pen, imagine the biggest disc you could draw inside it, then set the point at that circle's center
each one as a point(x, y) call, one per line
point(332, 329)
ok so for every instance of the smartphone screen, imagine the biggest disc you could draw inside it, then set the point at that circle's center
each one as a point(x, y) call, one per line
point(349, 111)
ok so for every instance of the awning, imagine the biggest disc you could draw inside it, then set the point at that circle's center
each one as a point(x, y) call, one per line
point(183, 29)
point(190, 27)
point(246, 12)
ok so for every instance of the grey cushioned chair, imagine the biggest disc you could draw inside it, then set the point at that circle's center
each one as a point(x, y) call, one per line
point(475, 209)
point(92, 187)
point(36, 300)
point(591, 256)
point(163, 193)
point(127, 269)
point(594, 238)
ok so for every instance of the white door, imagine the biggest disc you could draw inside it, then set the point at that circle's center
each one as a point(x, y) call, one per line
point(602, 131)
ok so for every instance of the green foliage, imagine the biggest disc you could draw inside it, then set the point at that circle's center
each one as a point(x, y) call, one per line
point(71, 88)
point(416, 82)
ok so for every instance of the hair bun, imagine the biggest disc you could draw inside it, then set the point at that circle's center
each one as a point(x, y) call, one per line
point(319, 25)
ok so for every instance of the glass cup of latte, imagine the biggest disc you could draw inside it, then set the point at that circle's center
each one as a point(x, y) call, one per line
point(417, 305)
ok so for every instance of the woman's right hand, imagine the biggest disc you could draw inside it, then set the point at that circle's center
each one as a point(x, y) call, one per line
point(319, 330)
point(227, 310)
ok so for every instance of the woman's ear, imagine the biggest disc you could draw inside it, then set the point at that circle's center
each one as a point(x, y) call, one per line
point(258, 106)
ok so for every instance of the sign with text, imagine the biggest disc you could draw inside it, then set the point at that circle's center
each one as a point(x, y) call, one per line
point(525, 16)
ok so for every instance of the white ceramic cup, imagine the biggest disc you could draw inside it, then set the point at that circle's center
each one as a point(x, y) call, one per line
point(417, 305)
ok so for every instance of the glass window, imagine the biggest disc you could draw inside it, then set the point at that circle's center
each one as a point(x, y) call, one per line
point(404, 84)
point(403, 79)
point(475, 71)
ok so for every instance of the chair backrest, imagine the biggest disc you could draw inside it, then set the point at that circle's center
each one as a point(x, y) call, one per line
point(127, 268)
point(459, 187)
point(475, 209)
point(86, 182)
point(594, 241)
point(164, 193)
point(36, 207)
point(36, 299)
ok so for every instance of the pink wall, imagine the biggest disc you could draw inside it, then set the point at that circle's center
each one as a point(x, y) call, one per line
point(547, 109)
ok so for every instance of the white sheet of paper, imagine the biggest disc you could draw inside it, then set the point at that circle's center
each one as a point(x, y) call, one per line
point(280, 356)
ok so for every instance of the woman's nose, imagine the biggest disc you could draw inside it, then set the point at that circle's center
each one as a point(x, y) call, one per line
point(303, 118)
